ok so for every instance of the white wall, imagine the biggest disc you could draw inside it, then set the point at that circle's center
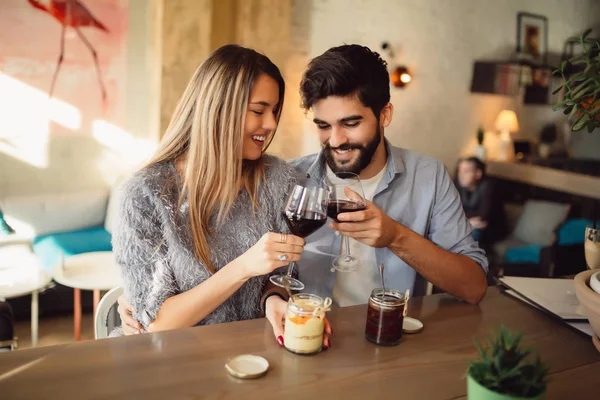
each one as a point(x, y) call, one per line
point(439, 40)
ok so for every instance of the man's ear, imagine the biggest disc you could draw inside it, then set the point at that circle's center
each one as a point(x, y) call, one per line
point(479, 174)
point(385, 117)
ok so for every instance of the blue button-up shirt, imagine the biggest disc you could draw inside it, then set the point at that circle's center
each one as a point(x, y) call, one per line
point(415, 191)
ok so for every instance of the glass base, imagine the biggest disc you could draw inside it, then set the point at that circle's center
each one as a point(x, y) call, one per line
point(305, 354)
point(284, 280)
point(384, 344)
point(345, 263)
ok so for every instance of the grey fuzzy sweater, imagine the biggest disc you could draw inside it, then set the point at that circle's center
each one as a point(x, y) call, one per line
point(154, 249)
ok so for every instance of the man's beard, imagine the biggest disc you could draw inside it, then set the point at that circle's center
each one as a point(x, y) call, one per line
point(361, 162)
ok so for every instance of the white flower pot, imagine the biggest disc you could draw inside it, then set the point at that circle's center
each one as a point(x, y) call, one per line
point(480, 152)
point(544, 150)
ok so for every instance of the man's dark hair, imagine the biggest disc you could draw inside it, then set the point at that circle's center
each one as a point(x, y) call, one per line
point(480, 165)
point(345, 70)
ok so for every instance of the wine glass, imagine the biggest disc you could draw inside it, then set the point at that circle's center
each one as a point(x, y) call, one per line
point(345, 195)
point(305, 212)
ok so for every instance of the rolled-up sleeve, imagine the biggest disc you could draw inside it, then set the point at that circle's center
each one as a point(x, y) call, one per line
point(140, 251)
point(449, 227)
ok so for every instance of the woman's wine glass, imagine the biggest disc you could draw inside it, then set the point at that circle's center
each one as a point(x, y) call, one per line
point(305, 212)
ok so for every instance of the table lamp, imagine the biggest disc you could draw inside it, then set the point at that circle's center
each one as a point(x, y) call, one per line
point(506, 123)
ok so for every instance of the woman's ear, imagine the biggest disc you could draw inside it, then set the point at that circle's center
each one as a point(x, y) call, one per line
point(386, 115)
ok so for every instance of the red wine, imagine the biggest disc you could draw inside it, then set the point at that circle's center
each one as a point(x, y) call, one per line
point(306, 224)
point(336, 207)
point(384, 325)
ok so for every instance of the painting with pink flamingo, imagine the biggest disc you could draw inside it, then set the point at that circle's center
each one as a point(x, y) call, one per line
point(64, 62)
point(73, 14)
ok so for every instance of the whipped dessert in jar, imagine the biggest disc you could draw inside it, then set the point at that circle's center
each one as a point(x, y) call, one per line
point(304, 323)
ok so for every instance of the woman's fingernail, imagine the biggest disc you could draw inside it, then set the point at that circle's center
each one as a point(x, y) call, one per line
point(331, 329)
point(337, 233)
point(280, 340)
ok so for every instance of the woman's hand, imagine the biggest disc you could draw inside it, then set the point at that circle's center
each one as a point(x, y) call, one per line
point(272, 251)
point(129, 325)
point(275, 309)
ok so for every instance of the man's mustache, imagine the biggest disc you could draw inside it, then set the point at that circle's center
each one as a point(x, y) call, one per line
point(344, 147)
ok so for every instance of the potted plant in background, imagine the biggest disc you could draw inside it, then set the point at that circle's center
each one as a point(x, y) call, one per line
point(581, 75)
point(502, 373)
point(480, 151)
point(547, 139)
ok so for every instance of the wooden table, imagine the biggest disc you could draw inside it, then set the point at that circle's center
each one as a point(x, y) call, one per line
point(189, 363)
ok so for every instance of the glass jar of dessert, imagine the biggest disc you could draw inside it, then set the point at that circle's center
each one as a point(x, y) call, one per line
point(304, 323)
point(385, 316)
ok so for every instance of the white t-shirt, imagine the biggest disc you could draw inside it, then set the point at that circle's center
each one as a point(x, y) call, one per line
point(352, 288)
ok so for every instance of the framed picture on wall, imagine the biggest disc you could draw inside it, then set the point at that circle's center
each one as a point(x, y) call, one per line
point(532, 36)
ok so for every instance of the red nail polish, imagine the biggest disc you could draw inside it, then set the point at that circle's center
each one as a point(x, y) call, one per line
point(331, 329)
point(280, 340)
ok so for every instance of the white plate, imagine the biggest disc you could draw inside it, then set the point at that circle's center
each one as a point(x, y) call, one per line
point(595, 282)
point(411, 325)
point(247, 366)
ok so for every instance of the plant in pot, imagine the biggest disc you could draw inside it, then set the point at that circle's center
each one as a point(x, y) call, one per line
point(503, 373)
point(581, 84)
point(581, 75)
point(480, 151)
point(547, 138)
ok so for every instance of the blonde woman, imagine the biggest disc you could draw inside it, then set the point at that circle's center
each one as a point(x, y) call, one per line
point(200, 226)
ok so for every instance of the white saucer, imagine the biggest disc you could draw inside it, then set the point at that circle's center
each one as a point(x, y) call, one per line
point(411, 325)
point(247, 366)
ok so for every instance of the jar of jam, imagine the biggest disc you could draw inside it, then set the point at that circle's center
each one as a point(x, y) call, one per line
point(385, 316)
point(304, 323)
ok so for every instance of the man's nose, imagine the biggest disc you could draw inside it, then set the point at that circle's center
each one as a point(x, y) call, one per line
point(337, 137)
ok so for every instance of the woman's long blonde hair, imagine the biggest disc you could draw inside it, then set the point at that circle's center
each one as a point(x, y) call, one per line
point(206, 131)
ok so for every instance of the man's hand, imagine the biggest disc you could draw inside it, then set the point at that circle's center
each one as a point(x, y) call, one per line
point(129, 325)
point(372, 226)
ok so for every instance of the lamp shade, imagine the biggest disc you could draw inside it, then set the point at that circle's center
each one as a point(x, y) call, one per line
point(507, 121)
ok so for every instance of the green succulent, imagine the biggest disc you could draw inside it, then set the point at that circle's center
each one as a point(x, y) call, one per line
point(480, 135)
point(503, 369)
point(582, 89)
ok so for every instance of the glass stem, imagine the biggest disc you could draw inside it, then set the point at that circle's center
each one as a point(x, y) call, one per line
point(290, 269)
point(347, 245)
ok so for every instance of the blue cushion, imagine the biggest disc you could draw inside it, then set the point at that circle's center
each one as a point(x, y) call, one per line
point(50, 248)
point(573, 231)
point(523, 254)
